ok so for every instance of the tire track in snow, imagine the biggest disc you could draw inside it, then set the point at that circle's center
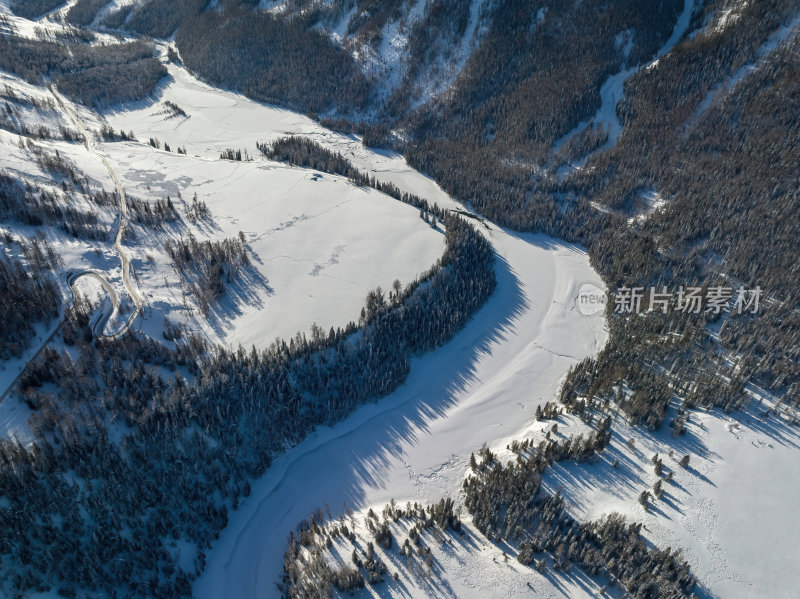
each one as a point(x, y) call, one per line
point(122, 221)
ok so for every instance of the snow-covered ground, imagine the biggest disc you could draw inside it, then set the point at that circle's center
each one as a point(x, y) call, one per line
point(415, 444)
point(731, 510)
point(320, 243)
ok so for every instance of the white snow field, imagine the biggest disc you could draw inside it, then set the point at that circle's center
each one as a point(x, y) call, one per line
point(321, 243)
point(318, 245)
point(731, 511)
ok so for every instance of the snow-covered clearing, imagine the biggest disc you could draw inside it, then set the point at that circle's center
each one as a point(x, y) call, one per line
point(650, 201)
point(730, 511)
point(319, 242)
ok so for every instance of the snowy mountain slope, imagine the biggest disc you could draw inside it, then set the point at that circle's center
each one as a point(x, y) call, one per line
point(415, 48)
point(738, 540)
point(483, 386)
point(35, 107)
point(613, 90)
point(728, 511)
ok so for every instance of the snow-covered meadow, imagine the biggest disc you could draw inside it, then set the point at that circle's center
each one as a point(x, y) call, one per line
point(319, 242)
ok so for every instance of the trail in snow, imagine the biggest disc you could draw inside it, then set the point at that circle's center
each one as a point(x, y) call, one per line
point(99, 323)
point(99, 329)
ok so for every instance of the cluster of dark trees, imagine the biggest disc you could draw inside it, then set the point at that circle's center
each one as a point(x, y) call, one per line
point(206, 266)
point(36, 206)
point(307, 571)
point(96, 75)
point(551, 411)
point(507, 502)
point(197, 210)
point(156, 143)
point(28, 290)
point(192, 445)
point(301, 151)
point(174, 109)
point(83, 12)
point(151, 214)
point(12, 120)
point(107, 133)
point(271, 59)
point(33, 9)
point(237, 155)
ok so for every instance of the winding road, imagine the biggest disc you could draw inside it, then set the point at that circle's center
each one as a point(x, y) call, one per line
point(72, 277)
point(99, 322)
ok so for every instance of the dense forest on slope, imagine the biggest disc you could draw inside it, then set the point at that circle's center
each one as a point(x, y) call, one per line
point(116, 529)
point(160, 18)
point(97, 75)
point(271, 60)
point(28, 290)
point(507, 502)
point(33, 9)
point(83, 12)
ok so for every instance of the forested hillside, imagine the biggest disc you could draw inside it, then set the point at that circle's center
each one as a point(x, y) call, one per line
point(33, 9)
point(95, 75)
point(272, 60)
point(661, 135)
point(236, 412)
point(507, 503)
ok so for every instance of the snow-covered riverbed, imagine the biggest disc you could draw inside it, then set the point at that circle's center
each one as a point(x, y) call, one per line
point(415, 444)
